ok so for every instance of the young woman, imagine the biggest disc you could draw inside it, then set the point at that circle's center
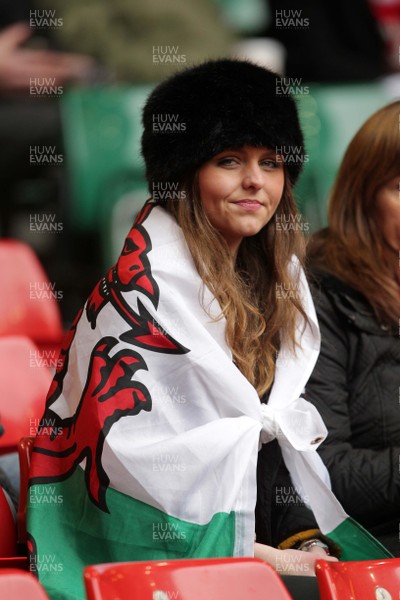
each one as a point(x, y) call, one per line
point(355, 385)
point(151, 436)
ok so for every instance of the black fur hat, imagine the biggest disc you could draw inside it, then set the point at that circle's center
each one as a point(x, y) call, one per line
point(201, 111)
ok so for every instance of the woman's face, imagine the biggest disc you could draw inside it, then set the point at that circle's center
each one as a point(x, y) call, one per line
point(388, 207)
point(240, 191)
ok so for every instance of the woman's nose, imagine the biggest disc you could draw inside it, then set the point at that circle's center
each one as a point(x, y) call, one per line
point(253, 176)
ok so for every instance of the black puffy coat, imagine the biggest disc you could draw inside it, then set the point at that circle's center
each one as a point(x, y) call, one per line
point(356, 386)
point(280, 512)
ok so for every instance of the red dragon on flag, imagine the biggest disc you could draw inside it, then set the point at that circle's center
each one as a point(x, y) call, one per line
point(110, 392)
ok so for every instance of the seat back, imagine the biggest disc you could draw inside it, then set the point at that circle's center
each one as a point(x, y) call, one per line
point(28, 304)
point(18, 585)
point(211, 579)
point(244, 16)
point(24, 452)
point(375, 579)
point(8, 530)
point(102, 132)
point(330, 116)
point(102, 137)
point(24, 383)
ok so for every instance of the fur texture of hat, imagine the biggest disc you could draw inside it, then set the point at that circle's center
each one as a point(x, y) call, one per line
point(218, 105)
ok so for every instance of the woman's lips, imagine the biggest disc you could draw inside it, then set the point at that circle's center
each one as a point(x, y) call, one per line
point(249, 205)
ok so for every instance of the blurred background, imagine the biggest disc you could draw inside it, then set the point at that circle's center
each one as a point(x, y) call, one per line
point(73, 78)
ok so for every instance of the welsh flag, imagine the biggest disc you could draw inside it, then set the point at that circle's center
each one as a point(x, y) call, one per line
point(148, 445)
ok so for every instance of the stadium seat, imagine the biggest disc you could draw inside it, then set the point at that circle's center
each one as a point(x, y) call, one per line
point(359, 580)
point(17, 585)
point(8, 529)
point(24, 383)
point(24, 451)
point(330, 116)
point(245, 16)
point(8, 539)
point(102, 131)
point(28, 304)
point(211, 579)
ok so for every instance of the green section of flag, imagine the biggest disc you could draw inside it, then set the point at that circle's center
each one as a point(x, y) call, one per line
point(71, 532)
point(356, 543)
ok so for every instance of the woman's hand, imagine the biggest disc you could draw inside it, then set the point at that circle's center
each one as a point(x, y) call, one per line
point(292, 562)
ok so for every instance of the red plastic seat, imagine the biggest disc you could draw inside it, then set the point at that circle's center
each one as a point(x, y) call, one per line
point(8, 539)
point(359, 580)
point(28, 302)
point(14, 562)
point(18, 585)
point(8, 529)
point(24, 452)
point(211, 579)
point(24, 384)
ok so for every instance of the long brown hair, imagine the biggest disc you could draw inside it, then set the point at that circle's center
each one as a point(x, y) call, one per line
point(353, 247)
point(258, 294)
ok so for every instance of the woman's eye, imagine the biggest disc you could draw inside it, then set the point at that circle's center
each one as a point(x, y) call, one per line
point(226, 162)
point(271, 163)
point(232, 161)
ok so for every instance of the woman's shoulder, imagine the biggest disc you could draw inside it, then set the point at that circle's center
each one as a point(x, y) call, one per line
point(320, 278)
point(333, 295)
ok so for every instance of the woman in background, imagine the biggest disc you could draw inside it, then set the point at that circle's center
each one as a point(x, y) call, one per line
point(356, 382)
